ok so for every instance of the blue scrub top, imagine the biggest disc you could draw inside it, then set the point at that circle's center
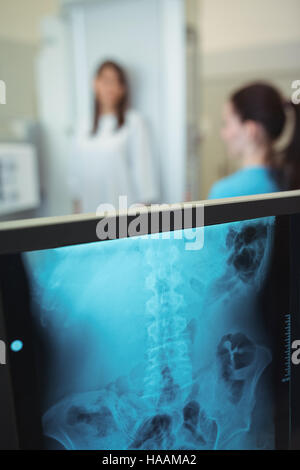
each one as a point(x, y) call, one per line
point(244, 182)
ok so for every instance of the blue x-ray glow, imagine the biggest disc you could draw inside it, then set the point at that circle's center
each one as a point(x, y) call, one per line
point(153, 346)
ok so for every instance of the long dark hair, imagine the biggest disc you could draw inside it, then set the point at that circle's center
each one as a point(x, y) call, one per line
point(123, 103)
point(263, 103)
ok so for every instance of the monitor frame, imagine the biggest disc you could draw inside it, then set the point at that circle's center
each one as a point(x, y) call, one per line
point(46, 233)
point(53, 232)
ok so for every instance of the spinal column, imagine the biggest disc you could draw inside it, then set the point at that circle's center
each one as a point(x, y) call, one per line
point(168, 372)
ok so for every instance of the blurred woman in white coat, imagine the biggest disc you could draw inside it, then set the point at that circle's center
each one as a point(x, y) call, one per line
point(115, 159)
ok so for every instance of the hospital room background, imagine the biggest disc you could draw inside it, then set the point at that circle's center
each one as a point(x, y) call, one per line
point(183, 58)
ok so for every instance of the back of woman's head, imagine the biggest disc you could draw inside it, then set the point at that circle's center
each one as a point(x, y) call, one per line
point(264, 104)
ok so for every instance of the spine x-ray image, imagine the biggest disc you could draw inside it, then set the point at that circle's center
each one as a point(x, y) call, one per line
point(147, 345)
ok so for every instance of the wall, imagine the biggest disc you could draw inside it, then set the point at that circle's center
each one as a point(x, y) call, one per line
point(17, 71)
point(19, 42)
point(239, 24)
point(20, 19)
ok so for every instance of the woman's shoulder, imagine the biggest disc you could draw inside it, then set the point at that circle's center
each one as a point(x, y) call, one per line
point(134, 118)
point(82, 134)
point(225, 187)
point(244, 182)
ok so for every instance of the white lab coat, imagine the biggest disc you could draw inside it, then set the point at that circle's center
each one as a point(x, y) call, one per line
point(112, 163)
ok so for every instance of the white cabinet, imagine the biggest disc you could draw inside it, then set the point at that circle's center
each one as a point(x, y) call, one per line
point(19, 188)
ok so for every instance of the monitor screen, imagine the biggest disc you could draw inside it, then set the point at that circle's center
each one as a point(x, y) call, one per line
point(147, 343)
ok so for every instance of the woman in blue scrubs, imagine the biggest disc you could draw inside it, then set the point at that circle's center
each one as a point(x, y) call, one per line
point(263, 132)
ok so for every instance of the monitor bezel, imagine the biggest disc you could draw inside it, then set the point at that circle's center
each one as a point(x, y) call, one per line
point(46, 233)
point(52, 232)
